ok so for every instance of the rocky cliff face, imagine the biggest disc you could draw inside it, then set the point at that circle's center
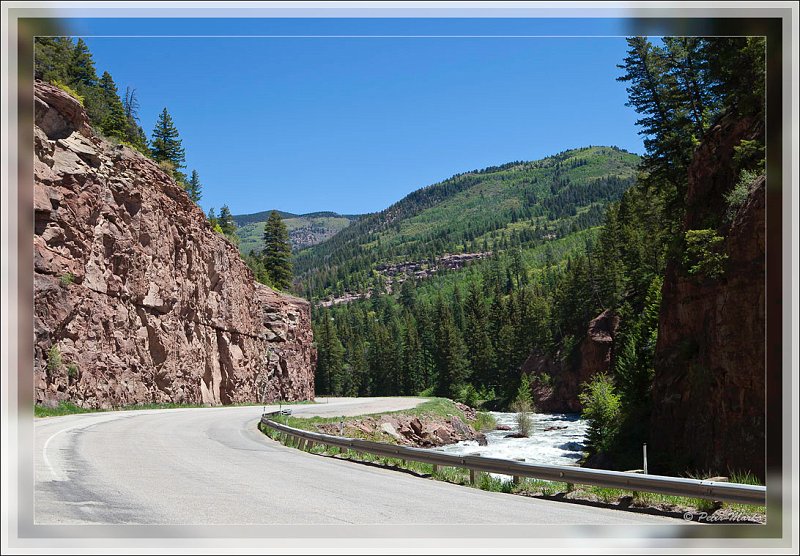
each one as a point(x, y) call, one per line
point(709, 386)
point(136, 299)
point(593, 356)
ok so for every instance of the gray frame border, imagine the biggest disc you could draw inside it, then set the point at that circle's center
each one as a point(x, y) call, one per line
point(16, 256)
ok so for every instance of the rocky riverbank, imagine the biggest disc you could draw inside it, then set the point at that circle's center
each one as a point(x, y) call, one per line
point(423, 430)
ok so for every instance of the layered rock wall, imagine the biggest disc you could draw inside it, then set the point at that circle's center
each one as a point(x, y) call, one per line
point(136, 298)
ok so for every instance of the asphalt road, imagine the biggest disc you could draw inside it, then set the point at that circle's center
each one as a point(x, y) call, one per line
point(213, 466)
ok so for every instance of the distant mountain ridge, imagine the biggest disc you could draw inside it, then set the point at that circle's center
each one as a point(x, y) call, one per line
point(517, 204)
point(305, 230)
point(244, 219)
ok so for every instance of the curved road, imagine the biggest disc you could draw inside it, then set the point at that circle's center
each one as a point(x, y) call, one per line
point(213, 466)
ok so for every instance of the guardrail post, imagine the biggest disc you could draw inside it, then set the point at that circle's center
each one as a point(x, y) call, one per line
point(636, 493)
point(472, 476)
point(516, 479)
point(435, 469)
point(644, 453)
point(718, 503)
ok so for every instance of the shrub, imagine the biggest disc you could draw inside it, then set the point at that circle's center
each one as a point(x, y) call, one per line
point(704, 256)
point(67, 278)
point(487, 394)
point(749, 155)
point(524, 422)
point(72, 371)
point(523, 407)
point(469, 396)
point(601, 405)
point(70, 91)
point(168, 167)
point(736, 197)
point(428, 392)
point(53, 359)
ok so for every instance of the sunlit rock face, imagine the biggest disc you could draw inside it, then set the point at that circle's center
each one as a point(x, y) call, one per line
point(136, 295)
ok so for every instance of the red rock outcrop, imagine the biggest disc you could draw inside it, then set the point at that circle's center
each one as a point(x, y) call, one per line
point(136, 295)
point(408, 430)
point(593, 356)
point(709, 385)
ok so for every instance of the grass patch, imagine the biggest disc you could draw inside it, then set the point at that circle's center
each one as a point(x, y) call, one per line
point(63, 408)
point(434, 407)
point(484, 421)
point(69, 408)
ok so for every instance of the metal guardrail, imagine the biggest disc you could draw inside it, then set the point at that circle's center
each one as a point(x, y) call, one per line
point(674, 486)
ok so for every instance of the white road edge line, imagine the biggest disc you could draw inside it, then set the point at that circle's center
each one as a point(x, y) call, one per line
point(59, 476)
point(56, 476)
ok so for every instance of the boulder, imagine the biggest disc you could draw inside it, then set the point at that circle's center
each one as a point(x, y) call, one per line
point(389, 429)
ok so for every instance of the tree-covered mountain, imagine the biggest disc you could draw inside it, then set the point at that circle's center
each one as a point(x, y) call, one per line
point(451, 289)
point(519, 204)
point(608, 282)
point(305, 230)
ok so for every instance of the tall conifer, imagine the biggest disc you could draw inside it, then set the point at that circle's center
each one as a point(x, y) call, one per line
point(277, 252)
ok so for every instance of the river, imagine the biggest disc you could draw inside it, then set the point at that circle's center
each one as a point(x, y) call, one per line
point(557, 439)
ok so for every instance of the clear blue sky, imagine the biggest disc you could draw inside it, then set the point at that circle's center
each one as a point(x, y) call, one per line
point(354, 124)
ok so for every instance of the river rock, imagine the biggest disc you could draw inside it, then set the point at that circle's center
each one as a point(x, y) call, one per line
point(389, 429)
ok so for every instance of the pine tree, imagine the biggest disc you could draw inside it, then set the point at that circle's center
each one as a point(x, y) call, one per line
point(194, 188)
point(166, 146)
point(214, 221)
point(81, 70)
point(451, 360)
point(53, 59)
point(328, 378)
point(413, 359)
point(687, 63)
point(114, 123)
point(134, 133)
point(227, 224)
point(737, 72)
point(476, 335)
point(655, 95)
point(277, 252)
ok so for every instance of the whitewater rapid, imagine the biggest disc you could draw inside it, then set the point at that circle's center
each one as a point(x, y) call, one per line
point(557, 439)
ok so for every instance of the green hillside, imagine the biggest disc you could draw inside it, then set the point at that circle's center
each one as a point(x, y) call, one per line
point(304, 229)
point(520, 204)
